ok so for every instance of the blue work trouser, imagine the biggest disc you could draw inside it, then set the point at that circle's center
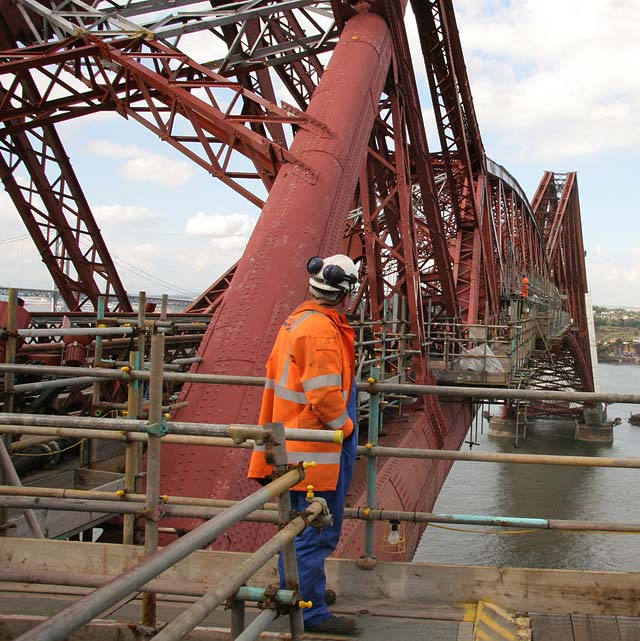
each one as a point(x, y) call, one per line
point(313, 546)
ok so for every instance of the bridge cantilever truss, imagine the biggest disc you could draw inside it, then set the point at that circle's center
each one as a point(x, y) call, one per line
point(445, 237)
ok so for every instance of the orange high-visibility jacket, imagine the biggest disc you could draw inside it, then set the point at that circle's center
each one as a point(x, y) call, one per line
point(309, 376)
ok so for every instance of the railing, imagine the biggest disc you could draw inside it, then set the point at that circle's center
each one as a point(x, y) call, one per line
point(150, 506)
point(482, 348)
point(222, 514)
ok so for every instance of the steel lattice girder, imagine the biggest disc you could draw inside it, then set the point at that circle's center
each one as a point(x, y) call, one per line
point(557, 210)
point(554, 369)
point(158, 87)
point(463, 154)
point(54, 208)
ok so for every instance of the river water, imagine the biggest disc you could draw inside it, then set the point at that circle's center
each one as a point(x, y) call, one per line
point(542, 491)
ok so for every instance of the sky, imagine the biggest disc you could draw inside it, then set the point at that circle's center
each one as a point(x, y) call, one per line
point(555, 87)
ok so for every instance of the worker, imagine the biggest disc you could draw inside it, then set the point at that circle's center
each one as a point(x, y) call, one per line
point(310, 384)
point(525, 287)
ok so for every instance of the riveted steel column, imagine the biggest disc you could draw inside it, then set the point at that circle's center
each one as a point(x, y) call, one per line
point(308, 210)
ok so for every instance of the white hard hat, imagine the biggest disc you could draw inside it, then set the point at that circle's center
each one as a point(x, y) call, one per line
point(334, 274)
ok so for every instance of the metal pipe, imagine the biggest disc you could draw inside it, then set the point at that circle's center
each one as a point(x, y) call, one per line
point(9, 472)
point(372, 467)
point(398, 452)
point(257, 626)
point(23, 388)
point(145, 406)
point(9, 357)
point(10, 348)
point(494, 457)
point(159, 586)
point(190, 618)
point(26, 443)
point(124, 507)
point(74, 331)
point(187, 361)
point(120, 435)
point(288, 552)
point(238, 611)
point(132, 452)
point(91, 448)
point(360, 514)
point(493, 393)
point(236, 432)
point(154, 447)
point(249, 593)
point(496, 521)
point(100, 495)
point(88, 607)
point(141, 344)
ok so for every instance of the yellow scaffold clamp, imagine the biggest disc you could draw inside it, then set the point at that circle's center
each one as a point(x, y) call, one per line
point(305, 605)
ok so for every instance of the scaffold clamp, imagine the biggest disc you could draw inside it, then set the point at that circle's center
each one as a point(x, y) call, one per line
point(322, 520)
point(158, 429)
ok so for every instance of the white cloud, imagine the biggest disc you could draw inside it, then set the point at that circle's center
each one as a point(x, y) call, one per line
point(8, 212)
point(157, 169)
point(141, 255)
point(203, 46)
point(231, 245)
point(551, 80)
point(615, 279)
point(124, 214)
point(228, 234)
point(108, 149)
point(144, 166)
point(220, 226)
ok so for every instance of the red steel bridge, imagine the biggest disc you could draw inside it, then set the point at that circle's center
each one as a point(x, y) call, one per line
point(445, 237)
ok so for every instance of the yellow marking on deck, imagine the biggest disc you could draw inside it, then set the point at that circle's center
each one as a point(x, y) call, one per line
point(469, 611)
point(493, 623)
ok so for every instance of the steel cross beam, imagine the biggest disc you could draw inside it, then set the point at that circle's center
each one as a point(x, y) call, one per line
point(161, 89)
point(54, 208)
point(425, 180)
point(288, 35)
point(155, 20)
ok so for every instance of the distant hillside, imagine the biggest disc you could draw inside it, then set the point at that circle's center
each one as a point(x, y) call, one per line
point(617, 334)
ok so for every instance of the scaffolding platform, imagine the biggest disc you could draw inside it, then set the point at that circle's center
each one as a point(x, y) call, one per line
point(403, 601)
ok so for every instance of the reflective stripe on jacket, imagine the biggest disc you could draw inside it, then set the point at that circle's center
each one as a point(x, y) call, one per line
point(309, 375)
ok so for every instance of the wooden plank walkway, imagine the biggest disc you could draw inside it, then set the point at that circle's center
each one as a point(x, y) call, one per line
point(390, 602)
point(584, 627)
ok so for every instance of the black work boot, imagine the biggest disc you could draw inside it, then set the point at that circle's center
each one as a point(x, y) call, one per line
point(334, 625)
